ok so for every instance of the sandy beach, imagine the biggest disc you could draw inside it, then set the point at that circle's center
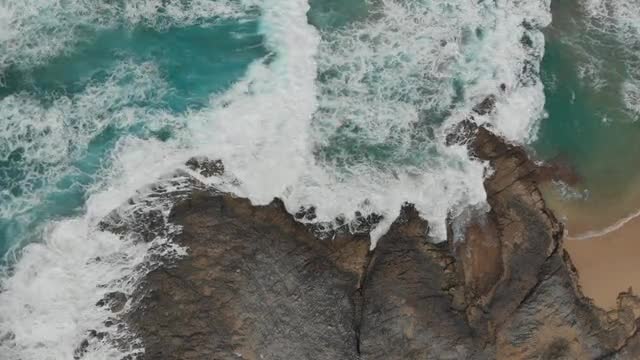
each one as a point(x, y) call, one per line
point(603, 241)
point(608, 264)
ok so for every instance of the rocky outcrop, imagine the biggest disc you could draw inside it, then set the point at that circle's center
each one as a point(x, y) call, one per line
point(257, 284)
point(528, 301)
point(412, 306)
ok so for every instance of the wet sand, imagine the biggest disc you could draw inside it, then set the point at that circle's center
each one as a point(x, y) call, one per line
point(608, 264)
point(604, 245)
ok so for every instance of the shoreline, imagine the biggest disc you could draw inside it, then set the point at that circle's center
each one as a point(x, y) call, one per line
point(605, 252)
point(606, 231)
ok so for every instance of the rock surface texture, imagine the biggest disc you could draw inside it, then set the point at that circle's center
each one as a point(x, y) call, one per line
point(256, 284)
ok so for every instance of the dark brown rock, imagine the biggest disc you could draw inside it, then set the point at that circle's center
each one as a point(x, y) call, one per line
point(487, 105)
point(81, 350)
point(409, 296)
point(114, 300)
point(256, 284)
point(479, 255)
point(528, 233)
point(529, 303)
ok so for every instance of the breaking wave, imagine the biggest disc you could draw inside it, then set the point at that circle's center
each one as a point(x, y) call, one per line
point(615, 26)
point(346, 119)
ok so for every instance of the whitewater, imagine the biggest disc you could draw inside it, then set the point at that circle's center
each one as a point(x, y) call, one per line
point(344, 119)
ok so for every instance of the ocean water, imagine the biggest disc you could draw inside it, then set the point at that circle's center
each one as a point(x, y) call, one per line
point(339, 105)
point(61, 119)
point(591, 73)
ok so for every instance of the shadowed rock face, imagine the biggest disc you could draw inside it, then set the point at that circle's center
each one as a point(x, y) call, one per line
point(256, 284)
point(528, 300)
point(411, 307)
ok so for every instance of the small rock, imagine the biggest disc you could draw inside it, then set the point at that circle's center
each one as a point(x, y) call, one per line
point(306, 213)
point(206, 167)
point(115, 300)
point(81, 350)
point(487, 106)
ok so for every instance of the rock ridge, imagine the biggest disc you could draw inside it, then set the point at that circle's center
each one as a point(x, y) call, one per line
point(257, 284)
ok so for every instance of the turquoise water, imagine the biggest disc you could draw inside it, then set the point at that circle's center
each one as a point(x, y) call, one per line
point(159, 74)
point(191, 63)
point(331, 14)
point(389, 75)
point(588, 126)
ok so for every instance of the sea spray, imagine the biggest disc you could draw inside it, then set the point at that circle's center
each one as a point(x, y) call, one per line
point(72, 152)
point(349, 120)
point(34, 31)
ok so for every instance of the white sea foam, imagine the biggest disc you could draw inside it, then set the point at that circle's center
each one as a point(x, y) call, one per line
point(260, 127)
point(509, 53)
point(380, 77)
point(631, 96)
point(51, 137)
point(620, 20)
point(383, 81)
point(392, 69)
point(47, 305)
point(622, 15)
point(32, 31)
point(407, 57)
point(607, 230)
point(262, 130)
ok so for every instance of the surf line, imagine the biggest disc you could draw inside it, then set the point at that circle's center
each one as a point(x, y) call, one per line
point(607, 230)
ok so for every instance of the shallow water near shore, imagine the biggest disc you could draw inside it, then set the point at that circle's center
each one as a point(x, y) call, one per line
point(592, 126)
point(590, 68)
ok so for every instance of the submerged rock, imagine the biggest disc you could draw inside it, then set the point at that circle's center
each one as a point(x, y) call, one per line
point(114, 300)
point(257, 284)
point(205, 166)
point(487, 105)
